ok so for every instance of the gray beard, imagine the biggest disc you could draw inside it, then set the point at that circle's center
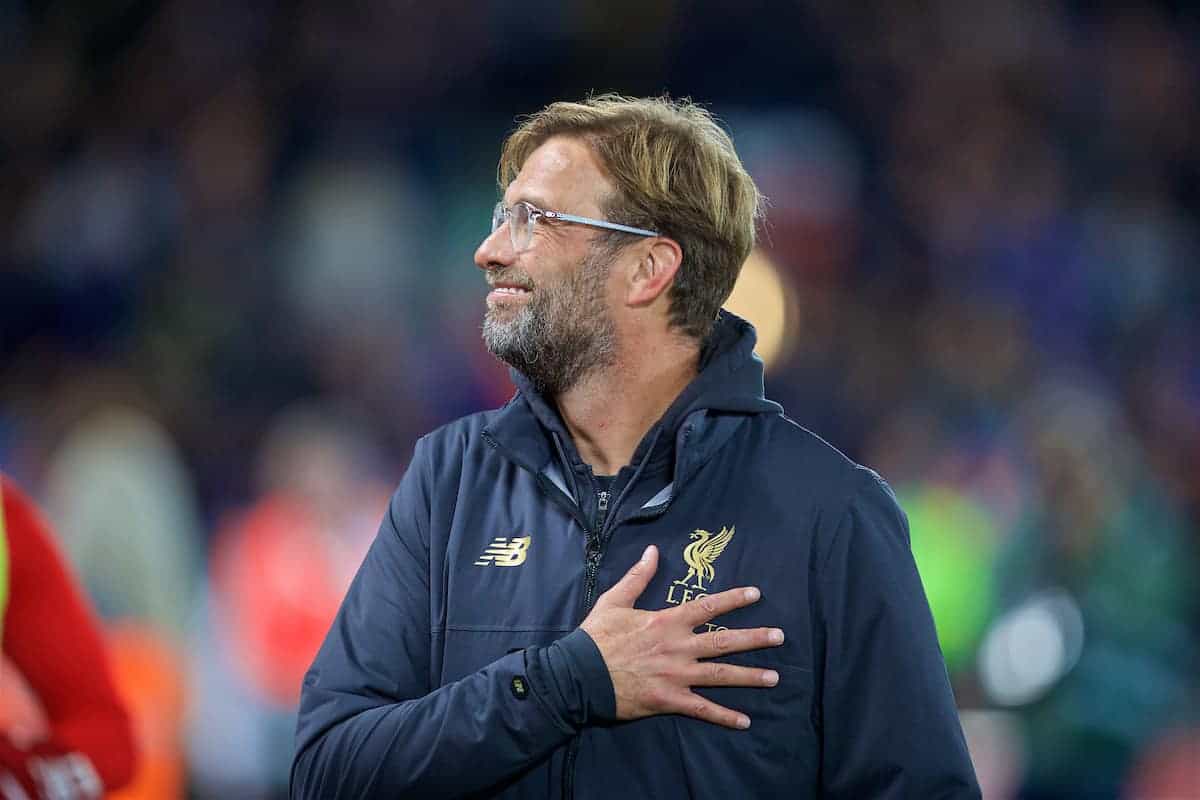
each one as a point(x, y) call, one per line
point(563, 333)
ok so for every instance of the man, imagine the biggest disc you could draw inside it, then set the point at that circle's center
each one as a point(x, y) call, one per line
point(72, 738)
point(637, 578)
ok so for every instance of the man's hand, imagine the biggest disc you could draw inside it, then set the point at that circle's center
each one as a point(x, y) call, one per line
point(653, 657)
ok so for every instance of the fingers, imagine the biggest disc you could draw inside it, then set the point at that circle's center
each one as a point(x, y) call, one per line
point(714, 673)
point(626, 591)
point(693, 705)
point(702, 609)
point(719, 643)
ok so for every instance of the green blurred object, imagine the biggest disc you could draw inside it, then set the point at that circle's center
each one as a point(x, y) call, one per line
point(954, 544)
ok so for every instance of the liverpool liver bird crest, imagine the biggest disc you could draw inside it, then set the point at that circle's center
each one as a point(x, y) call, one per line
point(701, 554)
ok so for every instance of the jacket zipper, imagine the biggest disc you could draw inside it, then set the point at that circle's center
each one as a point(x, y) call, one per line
point(595, 550)
point(595, 546)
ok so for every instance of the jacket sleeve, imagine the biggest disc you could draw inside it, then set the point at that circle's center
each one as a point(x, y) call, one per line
point(888, 720)
point(372, 721)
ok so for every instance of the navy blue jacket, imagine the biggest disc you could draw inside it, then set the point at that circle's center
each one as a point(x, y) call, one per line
point(455, 666)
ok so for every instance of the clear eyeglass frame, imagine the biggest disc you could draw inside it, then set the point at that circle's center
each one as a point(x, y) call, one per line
point(521, 217)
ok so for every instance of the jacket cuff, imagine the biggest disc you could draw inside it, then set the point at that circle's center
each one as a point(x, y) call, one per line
point(573, 671)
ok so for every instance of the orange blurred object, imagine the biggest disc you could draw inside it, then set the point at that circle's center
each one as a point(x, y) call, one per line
point(150, 678)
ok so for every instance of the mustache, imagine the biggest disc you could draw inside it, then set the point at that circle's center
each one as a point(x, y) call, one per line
point(509, 278)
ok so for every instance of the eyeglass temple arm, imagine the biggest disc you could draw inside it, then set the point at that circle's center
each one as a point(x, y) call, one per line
point(599, 223)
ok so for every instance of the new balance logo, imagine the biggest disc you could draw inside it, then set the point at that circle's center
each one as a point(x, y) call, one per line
point(504, 552)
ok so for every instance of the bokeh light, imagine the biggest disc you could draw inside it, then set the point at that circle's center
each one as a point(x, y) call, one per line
point(762, 296)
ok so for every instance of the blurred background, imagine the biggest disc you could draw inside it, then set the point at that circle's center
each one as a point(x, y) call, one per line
point(236, 284)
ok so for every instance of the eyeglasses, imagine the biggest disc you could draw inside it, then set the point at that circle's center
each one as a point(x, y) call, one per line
point(521, 217)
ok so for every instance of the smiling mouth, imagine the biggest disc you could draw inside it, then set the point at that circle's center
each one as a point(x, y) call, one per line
point(509, 290)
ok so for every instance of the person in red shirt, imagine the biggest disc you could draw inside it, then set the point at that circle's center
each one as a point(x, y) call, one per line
point(50, 634)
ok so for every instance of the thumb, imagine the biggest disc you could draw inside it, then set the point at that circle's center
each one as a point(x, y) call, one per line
point(626, 591)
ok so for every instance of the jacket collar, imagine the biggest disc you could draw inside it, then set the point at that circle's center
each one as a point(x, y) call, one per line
point(729, 385)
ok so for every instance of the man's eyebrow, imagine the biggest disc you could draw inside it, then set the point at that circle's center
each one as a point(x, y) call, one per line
point(532, 199)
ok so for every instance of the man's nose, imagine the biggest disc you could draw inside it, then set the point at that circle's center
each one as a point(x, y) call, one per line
point(496, 250)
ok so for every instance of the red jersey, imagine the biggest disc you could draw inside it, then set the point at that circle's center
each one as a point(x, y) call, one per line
point(50, 634)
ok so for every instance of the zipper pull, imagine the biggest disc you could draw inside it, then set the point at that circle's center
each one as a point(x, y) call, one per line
point(603, 502)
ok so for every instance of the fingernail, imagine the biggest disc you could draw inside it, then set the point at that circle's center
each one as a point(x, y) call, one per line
point(770, 677)
point(753, 594)
point(775, 636)
point(743, 722)
point(646, 552)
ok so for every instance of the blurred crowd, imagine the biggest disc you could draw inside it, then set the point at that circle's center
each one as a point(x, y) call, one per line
point(236, 284)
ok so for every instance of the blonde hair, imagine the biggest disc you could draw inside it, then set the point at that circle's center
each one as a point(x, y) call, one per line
point(675, 172)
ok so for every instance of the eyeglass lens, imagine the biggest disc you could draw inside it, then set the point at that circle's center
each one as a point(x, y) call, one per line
point(520, 223)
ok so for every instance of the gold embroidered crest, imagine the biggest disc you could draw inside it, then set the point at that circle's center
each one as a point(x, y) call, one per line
point(700, 556)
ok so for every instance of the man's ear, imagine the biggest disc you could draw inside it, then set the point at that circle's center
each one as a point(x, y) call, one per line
point(655, 269)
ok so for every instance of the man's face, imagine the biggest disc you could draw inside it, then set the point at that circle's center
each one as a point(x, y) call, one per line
point(549, 312)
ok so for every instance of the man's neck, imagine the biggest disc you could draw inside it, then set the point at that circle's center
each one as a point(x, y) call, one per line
point(609, 412)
